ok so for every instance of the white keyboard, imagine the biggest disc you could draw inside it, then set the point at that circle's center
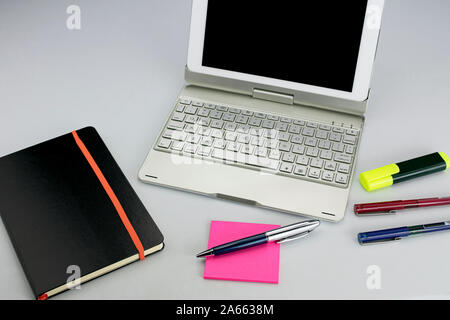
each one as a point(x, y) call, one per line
point(296, 148)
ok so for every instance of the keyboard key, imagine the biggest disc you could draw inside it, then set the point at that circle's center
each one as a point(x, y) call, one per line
point(328, 176)
point(341, 178)
point(288, 157)
point(285, 146)
point(191, 110)
point(352, 132)
point(338, 130)
point(222, 108)
point(203, 112)
point(191, 119)
point(309, 132)
point(344, 158)
point(164, 143)
point(350, 149)
point(180, 107)
point(312, 152)
point(300, 170)
point(271, 134)
point(311, 142)
point(344, 168)
point(234, 110)
point(272, 144)
point(303, 160)
point(204, 151)
point(190, 148)
point(215, 133)
point(177, 146)
point(331, 166)
point(286, 167)
point(325, 127)
point(275, 154)
point(300, 122)
point(321, 134)
point(217, 124)
point(287, 120)
point(336, 137)
point(242, 119)
point(293, 128)
point(268, 124)
point(175, 125)
point(281, 126)
point(314, 173)
point(261, 152)
point(339, 147)
point(204, 131)
point(312, 125)
point(207, 142)
point(193, 139)
point(258, 141)
point(245, 159)
point(247, 149)
point(297, 139)
point(230, 126)
point(244, 138)
point(326, 154)
point(210, 106)
point(255, 122)
point(177, 116)
point(317, 163)
point(349, 139)
point(234, 146)
point(324, 144)
point(229, 117)
point(216, 115)
point(273, 118)
point(197, 104)
point(241, 128)
point(298, 149)
point(219, 144)
point(231, 136)
point(247, 113)
point(260, 115)
point(185, 101)
point(284, 136)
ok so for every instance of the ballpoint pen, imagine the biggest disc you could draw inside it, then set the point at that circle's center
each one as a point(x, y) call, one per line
point(390, 207)
point(400, 233)
point(284, 234)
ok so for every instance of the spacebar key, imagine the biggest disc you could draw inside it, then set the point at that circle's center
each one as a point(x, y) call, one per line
point(245, 159)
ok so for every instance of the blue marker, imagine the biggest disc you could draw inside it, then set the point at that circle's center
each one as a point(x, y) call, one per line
point(400, 233)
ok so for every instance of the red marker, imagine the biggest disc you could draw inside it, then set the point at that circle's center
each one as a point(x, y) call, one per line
point(390, 207)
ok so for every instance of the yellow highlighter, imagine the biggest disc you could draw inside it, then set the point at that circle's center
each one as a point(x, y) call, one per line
point(398, 172)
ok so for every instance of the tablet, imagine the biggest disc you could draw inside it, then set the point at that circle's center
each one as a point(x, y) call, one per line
point(324, 48)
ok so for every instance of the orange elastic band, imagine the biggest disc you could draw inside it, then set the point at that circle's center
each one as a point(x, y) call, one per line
point(112, 196)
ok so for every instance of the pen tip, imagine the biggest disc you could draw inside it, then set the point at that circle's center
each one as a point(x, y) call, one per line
point(205, 254)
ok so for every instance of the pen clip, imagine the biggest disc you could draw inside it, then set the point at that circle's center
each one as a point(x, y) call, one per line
point(380, 241)
point(380, 213)
point(296, 237)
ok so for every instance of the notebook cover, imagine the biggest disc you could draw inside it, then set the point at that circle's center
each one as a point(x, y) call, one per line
point(58, 214)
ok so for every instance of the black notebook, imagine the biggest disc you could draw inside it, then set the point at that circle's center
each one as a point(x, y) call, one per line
point(69, 209)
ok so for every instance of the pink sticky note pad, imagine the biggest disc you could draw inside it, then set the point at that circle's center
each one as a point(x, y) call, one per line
point(257, 264)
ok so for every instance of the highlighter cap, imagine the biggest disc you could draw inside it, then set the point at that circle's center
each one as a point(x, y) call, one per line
point(379, 178)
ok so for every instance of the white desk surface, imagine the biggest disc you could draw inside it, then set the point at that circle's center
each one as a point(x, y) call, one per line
point(122, 72)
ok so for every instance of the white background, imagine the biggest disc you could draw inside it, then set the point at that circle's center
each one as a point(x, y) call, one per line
point(122, 72)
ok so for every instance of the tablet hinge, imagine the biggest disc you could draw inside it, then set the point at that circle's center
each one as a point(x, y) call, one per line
point(273, 96)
